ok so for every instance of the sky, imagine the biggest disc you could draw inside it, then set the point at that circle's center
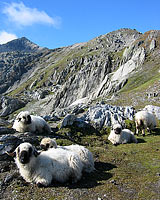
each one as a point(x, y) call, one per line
point(59, 23)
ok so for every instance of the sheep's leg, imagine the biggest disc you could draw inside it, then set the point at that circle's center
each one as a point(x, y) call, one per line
point(143, 132)
point(137, 131)
point(149, 130)
point(44, 181)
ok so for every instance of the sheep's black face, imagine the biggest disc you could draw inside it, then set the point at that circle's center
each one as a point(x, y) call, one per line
point(28, 119)
point(45, 147)
point(24, 118)
point(24, 156)
point(117, 131)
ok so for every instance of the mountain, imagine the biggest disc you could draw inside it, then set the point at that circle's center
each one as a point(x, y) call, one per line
point(21, 44)
point(17, 57)
point(121, 67)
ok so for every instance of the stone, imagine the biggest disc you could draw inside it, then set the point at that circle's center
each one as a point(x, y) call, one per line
point(106, 115)
point(9, 105)
point(68, 120)
point(153, 109)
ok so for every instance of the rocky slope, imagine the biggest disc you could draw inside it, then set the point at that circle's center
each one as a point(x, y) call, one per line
point(82, 73)
point(82, 90)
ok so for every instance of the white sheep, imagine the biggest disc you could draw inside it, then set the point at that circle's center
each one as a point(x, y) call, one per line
point(84, 154)
point(25, 122)
point(121, 136)
point(52, 165)
point(145, 120)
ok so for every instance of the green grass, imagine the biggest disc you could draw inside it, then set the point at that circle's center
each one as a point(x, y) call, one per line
point(126, 171)
point(140, 81)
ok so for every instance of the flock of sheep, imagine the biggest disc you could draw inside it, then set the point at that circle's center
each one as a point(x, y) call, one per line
point(64, 163)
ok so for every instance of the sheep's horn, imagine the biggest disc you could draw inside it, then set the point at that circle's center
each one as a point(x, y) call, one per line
point(12, 154)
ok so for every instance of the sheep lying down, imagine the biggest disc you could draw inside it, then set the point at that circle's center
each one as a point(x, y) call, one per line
point(121, 136)
point(84, 154)
point(52, 165)
point(25, 122)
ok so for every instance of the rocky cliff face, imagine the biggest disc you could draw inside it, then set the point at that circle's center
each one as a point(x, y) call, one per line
point(79, 73)
point(16, 59)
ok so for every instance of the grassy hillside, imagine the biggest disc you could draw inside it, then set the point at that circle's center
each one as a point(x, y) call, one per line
point(141, 87)
point(129, 171)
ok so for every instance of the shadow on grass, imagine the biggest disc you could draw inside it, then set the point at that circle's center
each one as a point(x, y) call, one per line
point(156, 131)
point(90, 180)
point(101, 166)
point(140, 140)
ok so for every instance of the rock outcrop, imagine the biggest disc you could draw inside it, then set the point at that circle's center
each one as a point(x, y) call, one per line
point(58, 78)
point(8, 105)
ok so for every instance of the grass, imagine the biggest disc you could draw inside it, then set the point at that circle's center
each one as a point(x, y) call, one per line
point(143, 79)
point(129, 171)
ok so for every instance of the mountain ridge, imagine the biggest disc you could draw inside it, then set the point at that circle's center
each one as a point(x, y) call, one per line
point(20, 44)
point(92, 71)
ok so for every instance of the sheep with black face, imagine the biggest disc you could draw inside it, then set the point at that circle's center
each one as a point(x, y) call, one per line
point(47, 166)
point(121, 136)
point(25, 122)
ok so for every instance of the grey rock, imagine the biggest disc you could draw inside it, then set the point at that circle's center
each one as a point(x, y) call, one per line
point(153, 45)
point(107, 115)
point(3, 122)
point(8, 143)
point(4, 130)
point(8, 105)
point(72, 120)
point(68, 120)
point(153, 109)
point(40, 94)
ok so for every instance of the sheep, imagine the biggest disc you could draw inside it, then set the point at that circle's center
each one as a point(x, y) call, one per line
point(25, 122)
point(145, 120)
point(52, 165)
point(84, 154)
point(121, 136)
point(47, 143)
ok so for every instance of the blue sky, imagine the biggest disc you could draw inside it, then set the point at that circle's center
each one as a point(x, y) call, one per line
point(58, 23)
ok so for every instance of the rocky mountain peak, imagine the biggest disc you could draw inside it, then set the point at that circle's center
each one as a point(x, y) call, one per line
point(98, 69)
point(20, 44)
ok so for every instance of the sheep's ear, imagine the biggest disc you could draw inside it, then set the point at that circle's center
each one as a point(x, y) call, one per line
point(29, 119)
point(18, 117)
point(36, 153)
point(12, 154)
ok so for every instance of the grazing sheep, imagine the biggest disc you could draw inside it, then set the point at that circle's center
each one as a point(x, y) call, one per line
point(119, 136)
point(43, 168)
point(145, 120)
point(84, 154)
point(29, 123)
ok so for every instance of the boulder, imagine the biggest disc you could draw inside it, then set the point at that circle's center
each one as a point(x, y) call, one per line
point(106, 115)
point(8, 105)
point(153, 109)
point(68, 120)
